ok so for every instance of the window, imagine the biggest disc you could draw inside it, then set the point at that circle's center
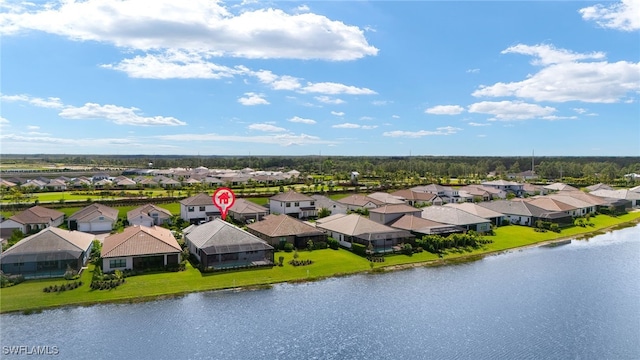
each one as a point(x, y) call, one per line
point(202, 208)
point(118, 263)
point(190, 209)
point(101, 218)
point(296, 204)
point(288, 205)
point(313, 203)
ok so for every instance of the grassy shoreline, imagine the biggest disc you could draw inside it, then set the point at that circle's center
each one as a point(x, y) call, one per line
point(29, 297)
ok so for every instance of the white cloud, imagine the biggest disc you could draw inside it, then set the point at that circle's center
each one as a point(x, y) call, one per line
point(564, 79)
point(118, 115)
point(482, 135)
point(620, 16)
point(33, 127)
point(346, 126)
point(337, 113)
point(74, 143)
point(251, 99)
point(395, 116)
point(580, 110)
point(511, 110)
point(36, 133)
point(277, 82)
point(548, 54)
point(473, 71)
point(354, 126)
point(329, 100)
point(445, 110)
point(279, 139)
point(366, 118)
point(380, 102)
point(303, 9)
point(50, 102)
point(479, 124)
point(332, 88)
point(446, 130)
point(555, 117)
point(173, 64)
point(195, 26)
point(4, 122)
point(297, 119)
point(266, 128)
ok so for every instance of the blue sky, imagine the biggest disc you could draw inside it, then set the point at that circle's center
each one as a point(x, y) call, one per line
point(201, 77)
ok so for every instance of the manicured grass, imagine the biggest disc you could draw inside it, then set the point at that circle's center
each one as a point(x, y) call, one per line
point(327, 263)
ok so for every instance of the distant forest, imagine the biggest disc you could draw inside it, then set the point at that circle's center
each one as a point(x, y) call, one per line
point(592, 169)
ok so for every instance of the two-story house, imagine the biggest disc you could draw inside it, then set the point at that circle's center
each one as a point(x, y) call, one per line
point(199, 209)
point(293, 204)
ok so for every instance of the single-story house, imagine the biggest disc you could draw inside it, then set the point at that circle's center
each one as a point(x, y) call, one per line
point(221, 245)
point(354, 228)
point(521, 212)
point(93, 218)
point(507, 186)
point(148, 215)
point(357, 202)
point(198, 209)
point(245, 211)
point(420, 226)
point(622, 194)
point(30, 220)
point(598, 186)
point(139, 248)
point(323, 202)
point(560, 187)
point(278, 229)
point(388, 213)
point(458, 217)
point(418, 198)
point(554, 205)
point(493, 216)
point(387, 198)
point(48, 253)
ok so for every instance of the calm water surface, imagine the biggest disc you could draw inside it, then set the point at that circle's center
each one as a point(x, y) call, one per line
point(577, 301)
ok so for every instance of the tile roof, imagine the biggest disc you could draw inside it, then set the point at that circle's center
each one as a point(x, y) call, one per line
point(560, 187)
point(140, 240)
point(514, 207)
point(90, 212)
point(386, 198)
point(409, 194)
point(283, 225)
point(146, 210)
point(221, 237)
point(37, 215)
point(198, 200)
point(291, 196)
point(550, 204)
point(356, 225)
point(451, 215)
point(395, 209)
point(243, 206)
point(360, 200)
point(476, 210)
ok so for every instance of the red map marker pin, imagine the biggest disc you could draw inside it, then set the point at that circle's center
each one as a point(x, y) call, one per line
point(223, 199)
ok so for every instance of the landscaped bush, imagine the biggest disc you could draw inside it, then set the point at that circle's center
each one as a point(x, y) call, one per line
point(333, 243)
point(10, 280)
point(288, 247)
point(296, 262)
point(376, 259)
point(106, 284)
point(62, 287)
point(319, 245)
point(359, 249)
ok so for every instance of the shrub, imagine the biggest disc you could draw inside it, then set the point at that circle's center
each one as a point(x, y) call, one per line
point(359, 249)
point(333, 243)
point(320, 245)
point(288, 247)
point(280, 260)
point(407, 249)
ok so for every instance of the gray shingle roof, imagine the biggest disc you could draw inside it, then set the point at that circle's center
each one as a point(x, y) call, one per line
point(450, 215)
point(89, 212)
point(59, 243)
point(283, 225)
point(198, 200)
point(291, 196)
point(37, 215)
point(221, 237)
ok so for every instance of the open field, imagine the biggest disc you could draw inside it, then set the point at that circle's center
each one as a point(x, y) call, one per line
point(327, 263)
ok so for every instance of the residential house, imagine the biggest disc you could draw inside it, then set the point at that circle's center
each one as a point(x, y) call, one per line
point(48, 253)
point(584, 202)
point(334, 207)
point(506, 186)
point(124, 182)
point(387, 198)
point(493, 216)
point(140, 248)
point(554, 205)
point(30, 220)
point(389, 213)
point(293, 204)
point(100, 176)
point(457, 217)
point(221, 245)
point(533, 190)
point(359, 202)
point(622, 194)
point(418, 198)
point(354, 228)
point(198, 209)
point(420, 226)
point(559, 187)
point(148, 215)
point(525, 175)
point(520, 212)
point(93, 218)
point(599, 186)
point(56, 185)
point(245, 211)
point(446, 193)
point(278, 229)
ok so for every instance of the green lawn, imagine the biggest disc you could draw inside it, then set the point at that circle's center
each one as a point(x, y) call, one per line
point(327, 263)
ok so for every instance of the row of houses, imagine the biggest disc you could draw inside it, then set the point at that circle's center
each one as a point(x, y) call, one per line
point(148, 178)
point(218, 244)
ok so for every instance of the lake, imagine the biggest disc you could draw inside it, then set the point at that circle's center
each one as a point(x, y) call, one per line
point(575, 301)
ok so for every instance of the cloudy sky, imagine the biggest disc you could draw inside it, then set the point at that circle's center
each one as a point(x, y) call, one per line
point(320, 77)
